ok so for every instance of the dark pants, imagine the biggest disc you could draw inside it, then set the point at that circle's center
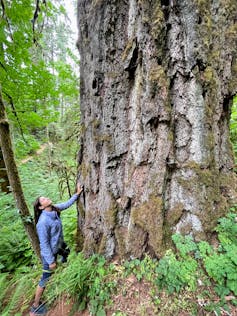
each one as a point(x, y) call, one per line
point(46, 273)
point(62, 251)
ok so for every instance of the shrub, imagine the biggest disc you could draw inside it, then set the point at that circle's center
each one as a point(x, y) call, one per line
point(174, 274)
point(141, 268)
point(88, 280)
point(221, 264)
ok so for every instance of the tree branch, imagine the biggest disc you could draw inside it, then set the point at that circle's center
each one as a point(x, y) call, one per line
point(4, 16)
point(35, 17)
point(1, 64)
point(15, 114)
point(36, 14)
point(3, 8)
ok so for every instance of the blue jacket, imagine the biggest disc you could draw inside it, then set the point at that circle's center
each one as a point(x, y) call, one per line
point(49, 229)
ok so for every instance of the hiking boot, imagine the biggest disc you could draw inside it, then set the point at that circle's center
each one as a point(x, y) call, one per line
point(40, 310)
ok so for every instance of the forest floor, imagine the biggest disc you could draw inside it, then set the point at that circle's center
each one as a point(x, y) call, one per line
point(134, 298)
point(138, 302)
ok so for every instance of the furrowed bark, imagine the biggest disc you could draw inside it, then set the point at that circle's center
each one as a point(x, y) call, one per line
point(157, 81)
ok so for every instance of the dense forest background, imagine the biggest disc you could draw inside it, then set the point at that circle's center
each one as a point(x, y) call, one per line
point(40, 87)
point(39, 80)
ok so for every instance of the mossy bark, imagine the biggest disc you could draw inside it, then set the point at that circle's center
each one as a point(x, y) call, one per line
point(157, 80)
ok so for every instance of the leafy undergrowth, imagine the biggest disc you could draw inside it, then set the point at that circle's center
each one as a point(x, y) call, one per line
point(194, 279)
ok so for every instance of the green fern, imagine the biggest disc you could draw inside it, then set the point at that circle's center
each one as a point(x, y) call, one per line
point(88, 280)
point(3, 287)
point(18, 288)
point(17, 291)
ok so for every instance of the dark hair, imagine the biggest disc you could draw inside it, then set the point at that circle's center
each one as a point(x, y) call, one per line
point(38, 211)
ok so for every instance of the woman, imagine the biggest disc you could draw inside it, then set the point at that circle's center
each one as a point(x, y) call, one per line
point(50, 233)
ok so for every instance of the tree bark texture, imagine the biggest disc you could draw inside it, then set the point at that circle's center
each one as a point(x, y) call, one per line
point(14, 179)
point(4, 182)
point(157, 82)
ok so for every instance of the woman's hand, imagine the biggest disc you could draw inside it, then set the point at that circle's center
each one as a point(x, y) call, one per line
point(53, 266)
point(79, 188)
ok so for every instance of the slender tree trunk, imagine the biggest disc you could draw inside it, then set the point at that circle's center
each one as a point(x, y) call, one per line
point(157, 82)
point(8, 156)
point(4, 182)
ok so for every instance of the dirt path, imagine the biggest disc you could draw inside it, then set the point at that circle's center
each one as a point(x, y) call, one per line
point(38, 152)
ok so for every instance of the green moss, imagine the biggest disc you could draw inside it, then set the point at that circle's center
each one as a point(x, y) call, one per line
point(158, 75)
point(167, 237)
point(83, 128)
point(102, 245)
point(97, 3)
point(159, 83)
point(130, 46)
point(81, 208)
point(121, 236)
point(227, 180)
point(171, 136)
point(103, 138)
point(205, 28)
point(149, 217)
point(89, 247)
point(204, 176)
point(205, 187)
point(209, 76)
point(174, 214)
point(210, 142)
point(113, 75)
point(212, 39)
point(201, 4)
point(145, 20)
point(214, 56)
point(209, 113)
point(233, 81)
point(96, 123)
point(110, 216)
point(79, 241)
point(186, 229)
point(84, 169)
point(207, 22)
point(230, 6)
point(158, 20)
point(228, 185)
point(136, 241)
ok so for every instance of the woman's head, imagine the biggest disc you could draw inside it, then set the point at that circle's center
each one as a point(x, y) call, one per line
point(44, 202)
point(40, 204)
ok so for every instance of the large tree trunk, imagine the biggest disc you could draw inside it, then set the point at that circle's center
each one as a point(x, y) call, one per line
point(157, 81)
point(14, 179)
